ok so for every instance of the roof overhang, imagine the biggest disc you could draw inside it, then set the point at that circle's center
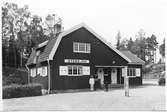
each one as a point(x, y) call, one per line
point(137, 63)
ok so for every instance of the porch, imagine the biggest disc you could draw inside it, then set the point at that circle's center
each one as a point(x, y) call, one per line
point(110, 74)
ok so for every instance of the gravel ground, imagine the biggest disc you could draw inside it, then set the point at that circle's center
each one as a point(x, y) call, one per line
point(148, 97)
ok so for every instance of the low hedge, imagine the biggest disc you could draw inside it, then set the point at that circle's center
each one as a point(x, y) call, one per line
point(14, 76)
point(161, 81)
point(15, 91)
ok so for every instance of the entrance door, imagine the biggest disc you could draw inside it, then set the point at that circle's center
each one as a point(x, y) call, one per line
point(114, 76)
point(100, 73)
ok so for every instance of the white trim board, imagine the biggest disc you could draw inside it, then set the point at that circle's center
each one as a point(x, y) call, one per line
point(53, 51)
point(110, 66)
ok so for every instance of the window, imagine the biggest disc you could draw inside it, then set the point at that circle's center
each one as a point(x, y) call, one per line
point(81, 47)
point(70, 70)
point(75, 47)
point(131, 72)
point(79, 70)
point(74, 70)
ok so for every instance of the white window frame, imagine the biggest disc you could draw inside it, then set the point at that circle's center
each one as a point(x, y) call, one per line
point(87, 47)
point(77, 67)
point(84, 70)
point(129, 72)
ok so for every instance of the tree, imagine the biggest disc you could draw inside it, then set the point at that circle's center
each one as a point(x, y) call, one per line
point(140, 44)
point(124, 44)
point(118, 38)
point(162, 49)
point(36, 30)
point(130, 44)
point(152, 45)
point(8, 29)
point(20, 32)
point(14, 23)
point(53, 26)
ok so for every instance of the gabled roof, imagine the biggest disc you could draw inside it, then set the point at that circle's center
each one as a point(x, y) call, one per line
point(31, 58)
point(43, 56)
point(134, 59)
point(52, 45)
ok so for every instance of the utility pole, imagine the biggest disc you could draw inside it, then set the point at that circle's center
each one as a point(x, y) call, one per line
point(126, 81)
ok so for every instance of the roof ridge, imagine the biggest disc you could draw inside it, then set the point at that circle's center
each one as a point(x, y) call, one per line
point(53, 43)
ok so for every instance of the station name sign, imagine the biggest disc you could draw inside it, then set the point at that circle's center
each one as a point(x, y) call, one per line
point(75, 61)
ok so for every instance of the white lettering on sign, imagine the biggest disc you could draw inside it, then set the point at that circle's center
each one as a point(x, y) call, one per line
point(75, 61)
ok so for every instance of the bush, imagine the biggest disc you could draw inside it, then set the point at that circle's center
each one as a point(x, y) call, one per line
point(15, 90)
point(161, 81)
point(14, 76)
point(146, 69)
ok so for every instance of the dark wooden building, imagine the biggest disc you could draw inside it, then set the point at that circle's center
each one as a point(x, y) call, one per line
point(68, 60)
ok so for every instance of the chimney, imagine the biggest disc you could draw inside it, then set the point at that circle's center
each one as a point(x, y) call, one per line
point(58, 27)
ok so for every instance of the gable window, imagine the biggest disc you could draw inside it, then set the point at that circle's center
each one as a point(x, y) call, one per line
point(81, 47)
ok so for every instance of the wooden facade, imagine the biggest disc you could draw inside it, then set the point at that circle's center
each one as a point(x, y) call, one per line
point(102, 61)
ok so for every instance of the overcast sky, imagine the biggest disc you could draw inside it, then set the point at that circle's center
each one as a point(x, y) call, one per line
point(107, 17)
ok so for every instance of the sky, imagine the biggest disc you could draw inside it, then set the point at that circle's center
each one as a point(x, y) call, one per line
point(106, 17)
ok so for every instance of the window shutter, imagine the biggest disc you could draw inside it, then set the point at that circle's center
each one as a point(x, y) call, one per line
point(39, 71)
point(63, 70)
point(44, 71)
point(86, 70)
point(33, 72)
point(123, 72)
point(138, 72)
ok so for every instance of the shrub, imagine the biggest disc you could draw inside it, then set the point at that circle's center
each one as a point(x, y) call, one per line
point(161, 81)
point(15, 90)
point(14, 76)
point(146, 69)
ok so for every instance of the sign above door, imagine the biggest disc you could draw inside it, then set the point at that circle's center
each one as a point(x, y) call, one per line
point(75, 61)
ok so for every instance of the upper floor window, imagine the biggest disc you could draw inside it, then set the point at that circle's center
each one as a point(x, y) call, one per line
point(81, 47)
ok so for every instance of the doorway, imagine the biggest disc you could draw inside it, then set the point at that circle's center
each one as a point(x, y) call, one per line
point(114, 76)
point(100, 74)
